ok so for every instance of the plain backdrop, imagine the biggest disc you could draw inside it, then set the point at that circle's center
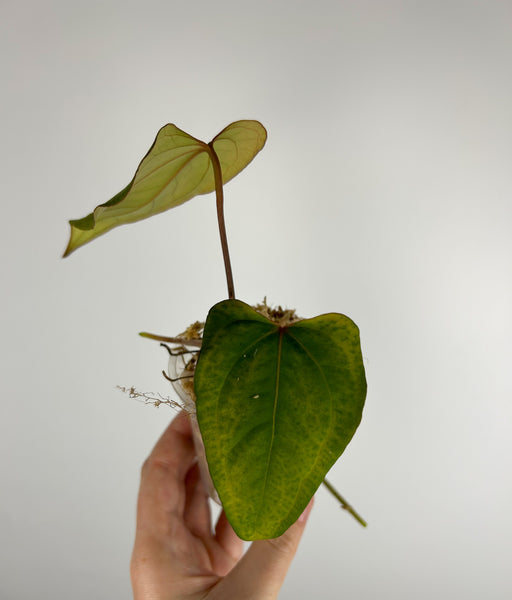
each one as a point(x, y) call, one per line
point(384, 192)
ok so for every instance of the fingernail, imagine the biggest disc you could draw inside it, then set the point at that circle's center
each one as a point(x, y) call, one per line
point(304, 516)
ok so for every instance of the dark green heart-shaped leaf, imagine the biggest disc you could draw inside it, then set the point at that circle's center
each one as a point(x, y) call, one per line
point(276, 404)
point(176, 168)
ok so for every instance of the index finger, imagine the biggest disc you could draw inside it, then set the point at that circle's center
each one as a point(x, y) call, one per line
point(162, 487)
point(175, 448)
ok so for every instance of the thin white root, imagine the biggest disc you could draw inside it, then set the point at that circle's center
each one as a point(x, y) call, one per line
point(155, 399)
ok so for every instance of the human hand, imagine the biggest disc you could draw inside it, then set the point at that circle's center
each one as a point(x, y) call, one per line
point(177, 556)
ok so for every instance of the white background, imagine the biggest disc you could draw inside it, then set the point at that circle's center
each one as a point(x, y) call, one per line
point(384, 192)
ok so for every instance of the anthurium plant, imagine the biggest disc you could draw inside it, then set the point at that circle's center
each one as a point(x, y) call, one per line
point(277, 398)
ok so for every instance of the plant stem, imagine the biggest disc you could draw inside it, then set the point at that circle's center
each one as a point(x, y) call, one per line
point(217, 173)
point(172, 340)
point(344, 504)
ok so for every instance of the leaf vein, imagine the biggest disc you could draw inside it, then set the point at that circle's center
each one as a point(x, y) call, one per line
point(331, 406)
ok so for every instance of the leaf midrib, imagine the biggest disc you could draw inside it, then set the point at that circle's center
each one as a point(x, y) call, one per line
point(331, 408)
point(194, 152)
point(168, 183)
point(276, 397)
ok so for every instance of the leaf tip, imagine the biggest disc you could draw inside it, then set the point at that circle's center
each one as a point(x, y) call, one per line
point(69, 248)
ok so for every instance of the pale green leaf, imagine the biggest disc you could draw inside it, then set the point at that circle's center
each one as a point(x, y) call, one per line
point(176, 168)
point(276, 405)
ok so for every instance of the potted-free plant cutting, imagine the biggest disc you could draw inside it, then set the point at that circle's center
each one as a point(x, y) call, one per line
point(277, 398)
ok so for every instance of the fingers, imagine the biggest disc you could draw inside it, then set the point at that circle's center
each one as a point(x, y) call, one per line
point(162, 489)
point(175, 448)
point(197, 508)
point(232, 545)
point(261, 572)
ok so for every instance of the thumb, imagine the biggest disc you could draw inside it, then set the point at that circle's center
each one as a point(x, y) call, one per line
point(262, 570)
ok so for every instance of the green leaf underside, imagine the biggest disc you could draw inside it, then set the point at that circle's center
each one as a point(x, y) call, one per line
point(176, 168)
point(276, 407)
